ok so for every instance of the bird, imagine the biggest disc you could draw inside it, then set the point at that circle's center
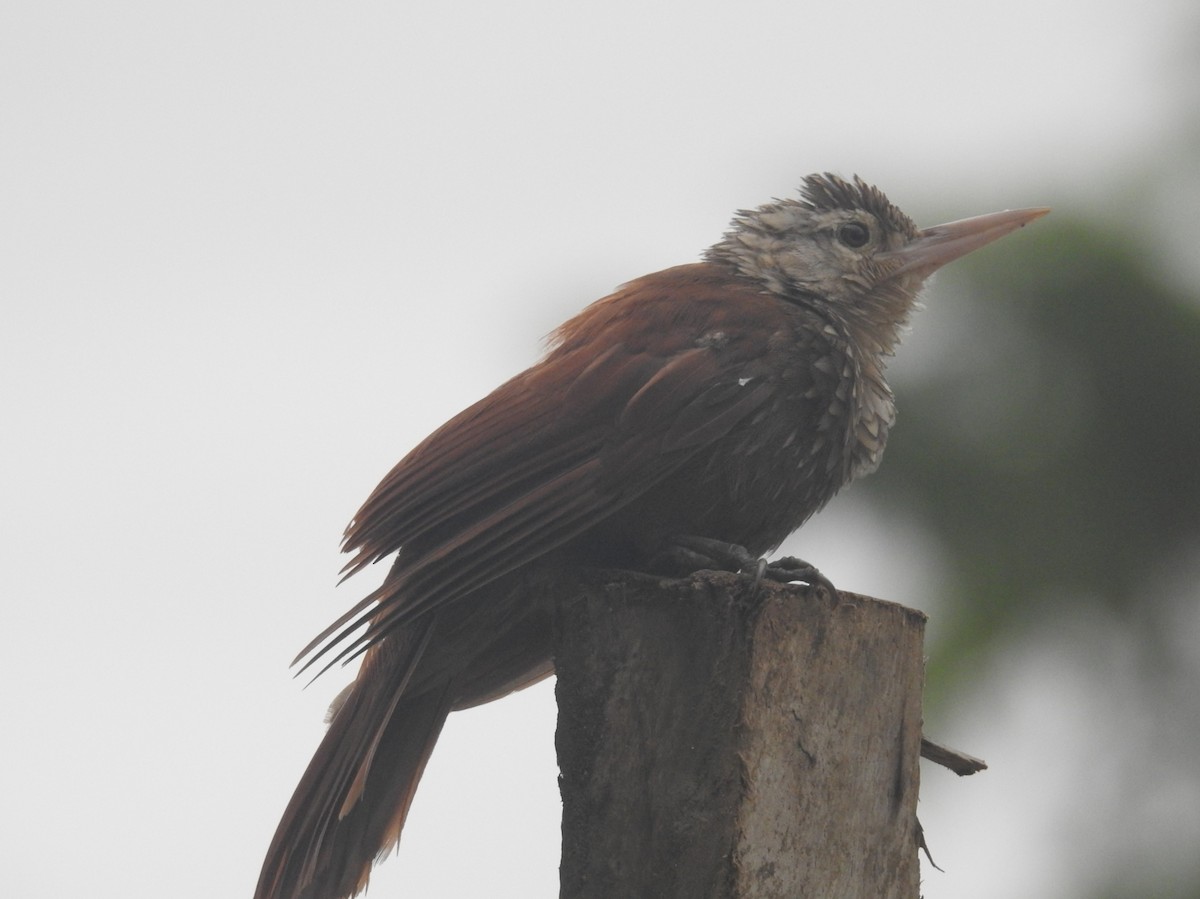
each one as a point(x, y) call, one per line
point(693, 418)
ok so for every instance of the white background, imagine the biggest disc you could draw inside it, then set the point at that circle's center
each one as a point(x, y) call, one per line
point(250, 253)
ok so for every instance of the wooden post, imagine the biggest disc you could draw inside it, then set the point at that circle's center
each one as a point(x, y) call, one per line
point(718, 745)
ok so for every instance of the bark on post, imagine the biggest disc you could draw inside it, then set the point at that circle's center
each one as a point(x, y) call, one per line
point(718, 746)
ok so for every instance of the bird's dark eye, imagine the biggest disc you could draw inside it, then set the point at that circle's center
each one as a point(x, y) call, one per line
point(854, 234)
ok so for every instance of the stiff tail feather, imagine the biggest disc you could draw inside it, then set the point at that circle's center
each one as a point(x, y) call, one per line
point(350, 805)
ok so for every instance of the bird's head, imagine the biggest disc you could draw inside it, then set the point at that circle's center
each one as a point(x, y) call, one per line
point(844, 250)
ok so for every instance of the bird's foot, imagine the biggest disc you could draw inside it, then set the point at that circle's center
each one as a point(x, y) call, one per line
point(790, 569)
point(691, 554)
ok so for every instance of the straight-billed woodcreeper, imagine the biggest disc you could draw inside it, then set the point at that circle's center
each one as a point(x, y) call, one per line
point(694, 418)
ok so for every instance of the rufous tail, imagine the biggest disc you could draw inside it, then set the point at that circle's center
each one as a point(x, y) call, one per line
point(350, 805)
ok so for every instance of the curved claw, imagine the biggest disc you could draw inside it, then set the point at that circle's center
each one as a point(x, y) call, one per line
point(789, 569)
point(760, 571)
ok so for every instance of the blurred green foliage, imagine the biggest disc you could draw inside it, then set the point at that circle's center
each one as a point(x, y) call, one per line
point(1049, 440)
point(1053, 447)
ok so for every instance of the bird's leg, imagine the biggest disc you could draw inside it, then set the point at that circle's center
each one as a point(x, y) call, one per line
point(688, 554)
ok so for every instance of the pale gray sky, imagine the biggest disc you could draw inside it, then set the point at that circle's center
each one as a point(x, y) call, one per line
point(240, 242)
